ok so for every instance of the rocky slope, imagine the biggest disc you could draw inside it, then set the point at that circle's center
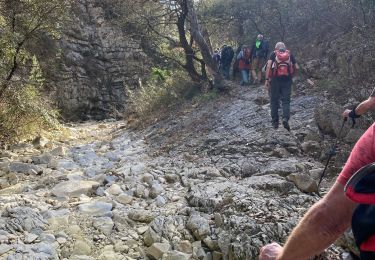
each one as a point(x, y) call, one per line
point(213, 182)
point(98, 62)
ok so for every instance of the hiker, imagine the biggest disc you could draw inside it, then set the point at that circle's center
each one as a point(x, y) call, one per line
point(226, 58)
point(244, 62)
point(216, 58)
point(362, 108)
point(327, 219)
point(280, 69)
point(259, 53)
point(235, 68)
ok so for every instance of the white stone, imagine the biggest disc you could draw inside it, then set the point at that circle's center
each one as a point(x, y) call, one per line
point(74, 188)
point(115, 189)
point(158, 249)
point(59, 151)
point(124, 199)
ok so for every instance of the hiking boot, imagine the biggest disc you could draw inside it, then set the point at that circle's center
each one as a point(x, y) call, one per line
point(286, 125)
point(275, 124)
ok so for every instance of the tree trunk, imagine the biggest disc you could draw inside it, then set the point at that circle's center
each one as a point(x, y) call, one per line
point(203, 46)
point(188, 50)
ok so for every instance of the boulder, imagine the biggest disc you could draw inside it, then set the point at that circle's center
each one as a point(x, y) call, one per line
point(198, 226)
point(304, 182)
point(96, 209)
point(74, 188)
point(157, 250)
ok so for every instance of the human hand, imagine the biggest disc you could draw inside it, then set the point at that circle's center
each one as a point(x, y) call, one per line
point(267, 85)
point(345, 114)
point(270, 251)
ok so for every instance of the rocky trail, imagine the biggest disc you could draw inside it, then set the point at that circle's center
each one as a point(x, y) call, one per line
point(216, 181)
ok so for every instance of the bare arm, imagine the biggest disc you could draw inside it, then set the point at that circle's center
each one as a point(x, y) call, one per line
point(362, 108)
point(320, 227)
point(267, 84)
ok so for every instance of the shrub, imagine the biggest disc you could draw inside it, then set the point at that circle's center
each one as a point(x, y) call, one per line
point(163, 91)
point(24, 113)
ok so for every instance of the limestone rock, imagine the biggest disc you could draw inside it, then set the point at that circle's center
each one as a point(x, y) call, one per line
point(304, 182)
point(144, 216)
point(24, 167)
point(150, 237)
point(329, 119)
point(156, 190)
point(115, 189)
point(310, 146)
point(185, 246)
point(157, 250)
point(81, 248)
point(74, 188)
point(5, 248)
point(45, 158)
point(124, 199)
point(96, 209)
point(40, 142)
point(104, 224)
point(198, 226)
point(59, 151)
point(175, 255)
point(147, 178)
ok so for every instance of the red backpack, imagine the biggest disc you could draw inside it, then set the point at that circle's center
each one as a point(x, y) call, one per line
point(282, 66)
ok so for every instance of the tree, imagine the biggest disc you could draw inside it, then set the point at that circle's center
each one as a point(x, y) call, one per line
point(21, 22)
point(166, 26)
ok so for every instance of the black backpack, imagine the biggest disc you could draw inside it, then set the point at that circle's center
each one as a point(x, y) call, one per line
point(361, 189)
point(227, 55)
point(262, 51)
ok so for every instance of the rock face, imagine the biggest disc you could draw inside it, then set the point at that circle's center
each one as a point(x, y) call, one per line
point(98, 62)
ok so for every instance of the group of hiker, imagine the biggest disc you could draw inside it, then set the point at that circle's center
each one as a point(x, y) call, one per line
point(351, 200)
point(247, 58)
point(279, 68)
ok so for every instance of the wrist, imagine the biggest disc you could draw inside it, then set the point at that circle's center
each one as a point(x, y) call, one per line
point(352, 114)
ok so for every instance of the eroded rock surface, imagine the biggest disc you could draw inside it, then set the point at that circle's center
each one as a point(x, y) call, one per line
point(216, 182)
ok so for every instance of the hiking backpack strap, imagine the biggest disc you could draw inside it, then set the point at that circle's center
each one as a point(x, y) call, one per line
point(361, 189)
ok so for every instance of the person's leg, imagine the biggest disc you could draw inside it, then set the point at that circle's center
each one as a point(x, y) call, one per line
point(274, 102)
point(286, 91)
point(254, 65)
point(243, 77)
point(222, 70)
point(227, 72)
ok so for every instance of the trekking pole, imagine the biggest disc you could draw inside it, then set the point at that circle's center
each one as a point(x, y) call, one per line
point(331, 152)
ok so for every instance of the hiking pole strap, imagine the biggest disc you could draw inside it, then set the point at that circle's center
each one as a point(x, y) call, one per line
point(353, 115)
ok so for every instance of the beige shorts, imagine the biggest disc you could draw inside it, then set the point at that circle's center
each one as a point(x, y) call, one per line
point(257, 63)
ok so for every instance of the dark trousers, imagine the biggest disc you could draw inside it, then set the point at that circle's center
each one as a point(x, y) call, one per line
point(281, 89)
point(225, 71)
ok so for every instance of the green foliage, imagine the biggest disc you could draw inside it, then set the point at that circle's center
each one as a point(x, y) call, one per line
point(206, 97)
point(24, 113)
point(163, 92)
point(159, 75)
point(23, 110)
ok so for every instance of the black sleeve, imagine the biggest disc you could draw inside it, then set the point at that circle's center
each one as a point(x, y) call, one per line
point(252, 49)
point(265, 48)
point(272, 56)
point(293, 59)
